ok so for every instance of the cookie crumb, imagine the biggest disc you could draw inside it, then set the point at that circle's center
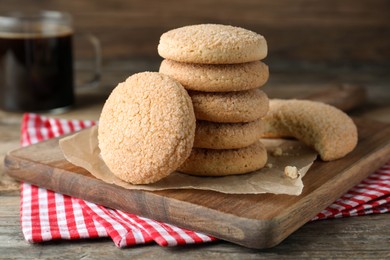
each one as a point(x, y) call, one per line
point(291, 172)
point(277, 152)
point(269, 165)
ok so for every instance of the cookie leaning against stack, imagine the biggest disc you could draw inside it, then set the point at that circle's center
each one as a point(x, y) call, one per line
point(221, 68)
point(146, 128)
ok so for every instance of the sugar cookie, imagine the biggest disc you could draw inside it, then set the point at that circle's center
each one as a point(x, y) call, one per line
point(217, 78)
point(208, 162)
point(146, 128)
point(227, 135)
point(230, 107)
point(330, 131)
point(212, 44)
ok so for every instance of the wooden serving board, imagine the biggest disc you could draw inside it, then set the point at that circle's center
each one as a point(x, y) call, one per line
point(255, 221)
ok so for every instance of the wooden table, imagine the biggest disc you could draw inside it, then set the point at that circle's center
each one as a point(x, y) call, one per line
point(357, 237)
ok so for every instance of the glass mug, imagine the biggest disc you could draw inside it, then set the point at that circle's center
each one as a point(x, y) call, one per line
point(36, 62)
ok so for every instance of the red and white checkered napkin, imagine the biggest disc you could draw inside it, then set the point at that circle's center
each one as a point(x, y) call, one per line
point(46, 215)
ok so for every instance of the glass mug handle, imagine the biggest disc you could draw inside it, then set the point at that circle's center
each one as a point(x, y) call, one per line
point(94, 79)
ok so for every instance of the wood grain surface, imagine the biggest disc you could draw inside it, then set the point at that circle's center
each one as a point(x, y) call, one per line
point(255, 221)
point(346, 33)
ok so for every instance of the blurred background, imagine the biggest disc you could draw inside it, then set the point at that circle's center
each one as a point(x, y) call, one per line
point(343, 40)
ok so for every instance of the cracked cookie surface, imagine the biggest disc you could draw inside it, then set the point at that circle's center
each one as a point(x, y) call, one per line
point(330, 131)
point(212, 44)
point(146, 128)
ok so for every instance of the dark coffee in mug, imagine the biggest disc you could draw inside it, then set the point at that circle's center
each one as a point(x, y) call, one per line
point(36, 70)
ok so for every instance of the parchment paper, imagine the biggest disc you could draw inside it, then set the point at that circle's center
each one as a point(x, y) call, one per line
point(82, 150)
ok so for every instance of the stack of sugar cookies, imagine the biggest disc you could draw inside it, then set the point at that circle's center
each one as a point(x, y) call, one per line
point(220, 67)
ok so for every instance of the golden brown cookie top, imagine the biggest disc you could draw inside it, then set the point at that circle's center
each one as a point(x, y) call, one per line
point(212, 44)
point(330, 131)
point(146, 128)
